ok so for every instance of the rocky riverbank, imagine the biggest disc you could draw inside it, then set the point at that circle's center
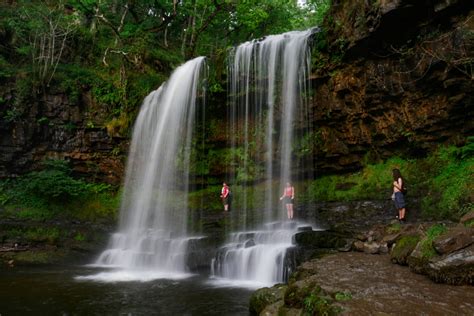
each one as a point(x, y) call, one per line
point(30, 242)
point(387, 270)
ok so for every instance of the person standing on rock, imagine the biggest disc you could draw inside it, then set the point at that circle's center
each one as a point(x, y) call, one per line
point(397, 196)
point(288, 197)
point(225, 196)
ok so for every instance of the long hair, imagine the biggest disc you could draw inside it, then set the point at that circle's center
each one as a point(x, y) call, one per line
point(396, 174)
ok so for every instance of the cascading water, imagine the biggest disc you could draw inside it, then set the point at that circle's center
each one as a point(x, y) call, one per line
point(152, 233)
point(267, 84)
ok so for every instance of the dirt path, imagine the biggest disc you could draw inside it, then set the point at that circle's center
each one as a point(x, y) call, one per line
point(379, 287)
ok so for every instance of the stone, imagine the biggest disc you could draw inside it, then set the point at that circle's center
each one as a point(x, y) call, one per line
point(403, 248)
point(347, 247)
point(304, 228)
point(455, 268)
point(383, 248)
point(358, 246)
point(272, 309)
point(263, 297)
point(319, 239)
point(416, 261)
point(390, 239)
point(453, 240)
point(467, 218)
point(249, 243)
point(371, 247)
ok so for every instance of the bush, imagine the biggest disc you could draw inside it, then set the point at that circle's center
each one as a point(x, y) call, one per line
point(44, 194)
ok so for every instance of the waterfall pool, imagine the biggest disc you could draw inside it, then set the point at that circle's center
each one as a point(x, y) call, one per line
point(58, 291)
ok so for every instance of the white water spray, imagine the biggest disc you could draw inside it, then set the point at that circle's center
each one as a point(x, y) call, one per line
point(267, 81)
point(152, 234)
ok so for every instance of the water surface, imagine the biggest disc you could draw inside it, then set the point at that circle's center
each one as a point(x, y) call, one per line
point(56, 291)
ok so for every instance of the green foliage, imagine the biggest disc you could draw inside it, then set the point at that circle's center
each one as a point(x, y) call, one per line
point(50, 235)
point(394, 228)
point(53, 183)
point(451, 183)
point(343, 296)
point(79, 237)
point(372, 182)
point(53, 192)
point(317, 303)
point(426, 243)
point(442, 180)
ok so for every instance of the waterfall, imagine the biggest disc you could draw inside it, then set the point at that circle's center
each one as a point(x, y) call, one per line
point(152, 232)
point(267, 82)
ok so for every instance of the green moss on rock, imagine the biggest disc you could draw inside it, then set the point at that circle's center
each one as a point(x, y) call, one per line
point(403, 248)
point(264, 297)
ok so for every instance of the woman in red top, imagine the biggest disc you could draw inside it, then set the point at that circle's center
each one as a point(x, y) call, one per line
point(288, 197)
point(225, 196)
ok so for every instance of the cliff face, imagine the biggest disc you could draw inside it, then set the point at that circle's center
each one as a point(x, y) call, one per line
point(394, 77)
point(50, 125)
point(403, 85)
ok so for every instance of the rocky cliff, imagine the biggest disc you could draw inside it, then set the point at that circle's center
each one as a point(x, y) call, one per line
point(50, 125)
point(391, 77)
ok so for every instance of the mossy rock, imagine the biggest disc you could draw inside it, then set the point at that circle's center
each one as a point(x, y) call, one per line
point(403, 248)
point(455, 268)
point(297, 292)
point(320, 239)
point(418, 260)
point(264, 297)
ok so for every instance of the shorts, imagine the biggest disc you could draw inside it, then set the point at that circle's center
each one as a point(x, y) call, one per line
point(399, 200)
point(288, 200)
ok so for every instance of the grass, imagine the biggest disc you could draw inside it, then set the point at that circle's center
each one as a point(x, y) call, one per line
point(443, 182)
point(426, 243)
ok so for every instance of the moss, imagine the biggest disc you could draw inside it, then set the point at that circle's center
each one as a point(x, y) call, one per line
point(264, 297)
point(403, 248)
point(426, 244)
point(394, 228)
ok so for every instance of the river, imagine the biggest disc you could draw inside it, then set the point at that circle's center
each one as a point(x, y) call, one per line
point(58, 291)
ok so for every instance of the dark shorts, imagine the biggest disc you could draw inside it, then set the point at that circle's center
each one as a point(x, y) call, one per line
point(288, 200)
point(399, 200)
point(227, 200)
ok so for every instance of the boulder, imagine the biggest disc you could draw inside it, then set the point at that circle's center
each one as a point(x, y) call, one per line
point(319, 239)
point(390, 239)
point(467, 218)
point(371, 247)
point(403, 248)
point(264, 297)
point(454, 268)
point(458, 238)
point(358, 246)
point(417, 260)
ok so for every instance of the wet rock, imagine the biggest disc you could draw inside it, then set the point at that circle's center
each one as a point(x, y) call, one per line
point(249, 243)
point(390, 239)
point(371, 247)
point(319, 239)
point(305, 228)
point(272, 309)
point(455, 268)
point(383, 248)
point(403, 248)
point(454, 240)
point(261, 298)
point(467, 218)
point(347, 247)
point(417, 260)
point(358, 246)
